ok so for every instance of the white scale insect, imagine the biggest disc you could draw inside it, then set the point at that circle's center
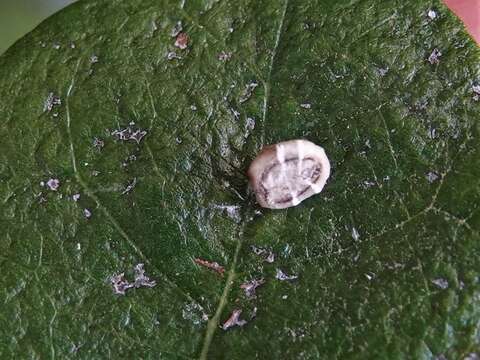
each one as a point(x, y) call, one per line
point(285, 174)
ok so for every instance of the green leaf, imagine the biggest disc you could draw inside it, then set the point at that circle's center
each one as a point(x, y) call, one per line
point(387, 256)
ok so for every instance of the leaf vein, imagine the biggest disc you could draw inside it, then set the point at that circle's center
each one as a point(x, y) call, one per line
point(97, 201)
point(215, 320)
point(267, 83)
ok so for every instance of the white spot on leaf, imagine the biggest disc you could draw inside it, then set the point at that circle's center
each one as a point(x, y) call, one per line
point(87, 213)
point(355, 234)
point(434, 57)
point(280, 275)
point(441, 283)
point(53, 184)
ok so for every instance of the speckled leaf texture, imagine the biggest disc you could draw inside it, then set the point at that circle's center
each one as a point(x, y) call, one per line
point(387, 256)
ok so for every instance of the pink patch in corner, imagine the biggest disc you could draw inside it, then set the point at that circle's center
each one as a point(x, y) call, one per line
point(469, 12)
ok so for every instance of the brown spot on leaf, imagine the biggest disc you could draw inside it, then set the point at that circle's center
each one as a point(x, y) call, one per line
point(210, 265)
point(181, 41)
point(234, 320)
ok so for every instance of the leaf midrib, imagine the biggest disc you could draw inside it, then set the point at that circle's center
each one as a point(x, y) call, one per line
point(214, 322)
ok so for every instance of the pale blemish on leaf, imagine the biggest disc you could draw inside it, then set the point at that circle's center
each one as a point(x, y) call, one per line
point(250, 287)
point(441, 283)
point(285, 174)
point(53, 184)
point(434, 57)
point(234, 320)
point(51, 101)
point(267, 255)
point(432, 14)
point(87, 213)
point(120, 284)
point(282, 276)
point(182, 41)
